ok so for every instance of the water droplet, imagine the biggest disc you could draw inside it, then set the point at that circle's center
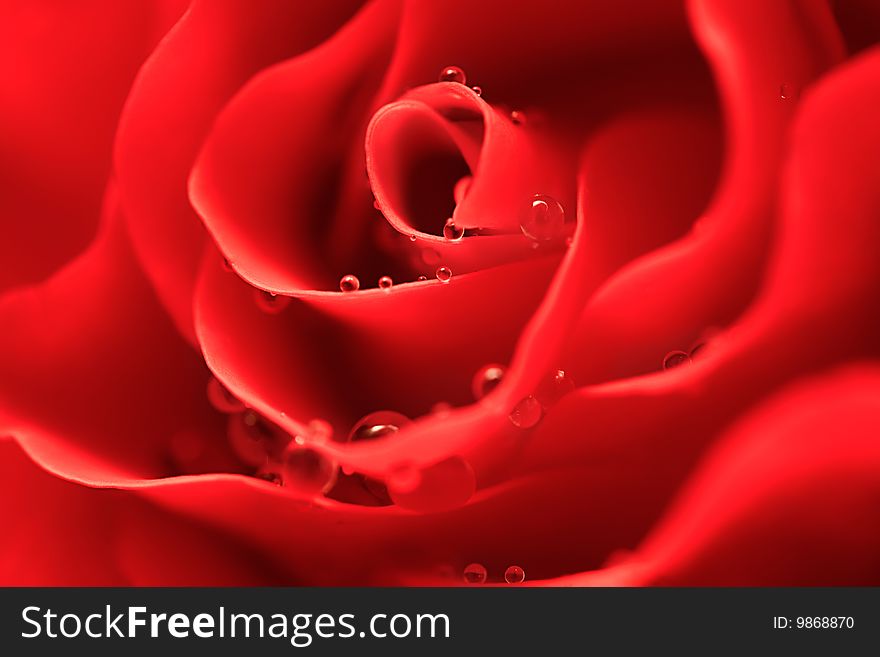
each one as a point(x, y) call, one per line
point(514, 575)
point(453, 74)
point(376, 204)
point(422, 278)
point(486, 380)
point(554, 387)
point(527, 413)
point(477, 90)
point(307, 470)
point(452, 232)
point(413, 238)
point(385, 282)
point(227, 266)
point(221, 399)
point(444, 274)
point(543, 218)
point(370, 427)
point(786, 91)
point(675, 359)
point(349, 283)
point(270, 302)
point(474, 573)
point(518, 117)
point(378, 424)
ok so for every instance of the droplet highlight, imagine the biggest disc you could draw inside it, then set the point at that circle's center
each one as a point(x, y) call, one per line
point(474, 573)
point(444, 274)
point(385, 283)
point(514, 575)
point(378, 424)
point(349, 283)
point(675, 359)
point(554, 387)
point(271, 303)
point(452, 232)
point(518, 117)
point(486, 380)
point(453, 74)
point(543, 218)
point(307, 470)
point(527, 413)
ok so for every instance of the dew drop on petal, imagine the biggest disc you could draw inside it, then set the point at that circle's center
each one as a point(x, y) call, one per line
point(271, 303)
point(413, 238)
point(675, 359)
point(377, 425)
point(370, 427)
point(474, 573)
point(452, 232)
point(422, 278)
point(543, 218)
point(554, 387)
point(518, 117)
point(221, 399)
point(349, 283)
point(307, 470)
point(376, 205)
point(486, 380)
point(453, 74)
point(786, 91)
point(385, 283)
point(477, 90)
point(446, 485)
point(514, 575)
point(444, 274)
point(227, 266)
point(527, 413)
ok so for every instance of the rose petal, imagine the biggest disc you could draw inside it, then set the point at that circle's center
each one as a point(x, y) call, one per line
point(282, 165)
point(61, 534)
point(56, 141)
point(666, 301)
point(788, 497)
point(94, 376)
point(209, 55)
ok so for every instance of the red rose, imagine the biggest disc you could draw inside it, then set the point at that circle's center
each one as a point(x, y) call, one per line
point(644, 350)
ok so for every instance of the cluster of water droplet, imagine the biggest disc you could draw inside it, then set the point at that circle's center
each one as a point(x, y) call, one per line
point(476, 573)
point(529, 410)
